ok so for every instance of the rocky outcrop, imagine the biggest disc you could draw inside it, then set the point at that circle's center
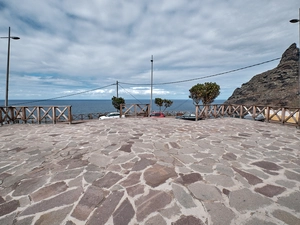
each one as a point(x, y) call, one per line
point(276, 87)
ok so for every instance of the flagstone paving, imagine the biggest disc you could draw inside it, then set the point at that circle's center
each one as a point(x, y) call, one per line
point(150, 171)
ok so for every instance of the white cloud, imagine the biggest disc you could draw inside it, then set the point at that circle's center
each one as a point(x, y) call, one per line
point(70, 47)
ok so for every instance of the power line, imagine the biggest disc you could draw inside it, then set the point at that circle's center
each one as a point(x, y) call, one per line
point(78, 93)
point(179, 105)
point(213, 75)
point(142, 103)
point(165, 83)
point(130, 93)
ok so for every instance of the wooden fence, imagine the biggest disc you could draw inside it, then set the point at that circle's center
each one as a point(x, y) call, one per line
point(54, 114)
point(135, 110)
point(89, 116)
point(35, 114)
point(283, 115)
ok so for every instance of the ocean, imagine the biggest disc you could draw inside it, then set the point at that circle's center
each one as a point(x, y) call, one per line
point(104, 106)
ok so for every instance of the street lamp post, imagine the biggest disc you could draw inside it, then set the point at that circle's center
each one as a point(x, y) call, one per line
point(151, 84)
point(7, 68)
point(298, 21)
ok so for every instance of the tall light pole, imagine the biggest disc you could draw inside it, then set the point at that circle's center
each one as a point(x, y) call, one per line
point(298, 21)
point(151, 82)
point(117, 84)
point(7, 68)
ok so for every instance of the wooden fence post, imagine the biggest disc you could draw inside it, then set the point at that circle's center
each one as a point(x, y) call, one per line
point(268, 114)
point(38, 112)
point(254, 112)
point(215, 111)
point(298, 119)
point(70, 114)
point(1, 120)
point(121, 109)
point(241, 111)
point(12, 115)
point(54, 114)
point(282, 115)
point(148, 109)
point(222, 110)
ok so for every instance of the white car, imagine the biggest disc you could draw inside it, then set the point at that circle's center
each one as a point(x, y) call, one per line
point(259, 117)
point(112, 115)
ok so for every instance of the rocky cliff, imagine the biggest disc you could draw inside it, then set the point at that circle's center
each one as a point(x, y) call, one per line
point(276, 87)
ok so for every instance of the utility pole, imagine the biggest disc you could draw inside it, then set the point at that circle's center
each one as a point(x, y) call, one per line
point(151, 83)
point(298, 21)
point(7, 68)
point(117, 83)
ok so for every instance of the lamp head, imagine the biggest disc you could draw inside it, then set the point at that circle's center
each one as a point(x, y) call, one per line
point(294, 21)
point(15, 38)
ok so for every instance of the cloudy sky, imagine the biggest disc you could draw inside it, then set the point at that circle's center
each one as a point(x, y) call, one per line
point(79, 49)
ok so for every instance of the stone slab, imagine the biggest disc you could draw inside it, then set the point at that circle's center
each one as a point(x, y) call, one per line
point(205, 192)
point(88, 202)
point(62, 199)
point(158, 174)
point(124, 213)
point(185, 220)
point(291, 201)
point(243, 200)
point(49, 191)
point(9, 207)
point(286, 217)
point(270, 190)
point(219, 213)
point(107, 180)
point(151, 202)
point(105, 210)
point(183, 197)
point(54, 217)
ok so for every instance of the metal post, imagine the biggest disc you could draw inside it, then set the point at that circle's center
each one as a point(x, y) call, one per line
point(151, 83)
point(8, 60)
point(299, 71)
point(117, 83)
point(7, 69)
point(298, 21)
point(299, 62)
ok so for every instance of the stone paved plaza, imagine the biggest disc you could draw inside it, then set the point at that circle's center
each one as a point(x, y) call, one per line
point(150, 171)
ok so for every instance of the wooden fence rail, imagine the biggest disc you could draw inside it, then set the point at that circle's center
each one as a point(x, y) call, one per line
point(54, 114)
point(283, 115)
point(135, 110)
point(88, 116)
point(35, 114)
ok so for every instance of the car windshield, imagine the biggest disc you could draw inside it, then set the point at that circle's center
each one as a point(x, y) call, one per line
point(189, 114)
point(155, 114)
point(113, 114)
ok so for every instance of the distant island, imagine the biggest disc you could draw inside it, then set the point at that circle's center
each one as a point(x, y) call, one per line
point(276, 87)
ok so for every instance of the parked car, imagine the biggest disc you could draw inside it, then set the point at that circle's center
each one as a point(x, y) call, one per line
point(187, 116)
point(157, 114)
point(259, 117)
point(112, 115)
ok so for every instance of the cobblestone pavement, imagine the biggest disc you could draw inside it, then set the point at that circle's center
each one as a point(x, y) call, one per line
point(150, 171)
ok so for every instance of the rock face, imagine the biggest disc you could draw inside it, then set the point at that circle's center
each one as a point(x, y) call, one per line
point(276, 87)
